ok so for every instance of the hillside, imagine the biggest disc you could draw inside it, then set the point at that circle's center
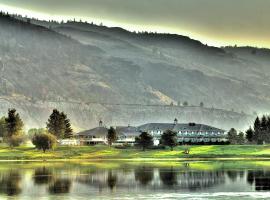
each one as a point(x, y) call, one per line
point(85, 70)
point(186, 68)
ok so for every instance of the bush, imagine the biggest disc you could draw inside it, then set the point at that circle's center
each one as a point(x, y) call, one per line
point(124, 146)
point(15, 140)
point(44, 141)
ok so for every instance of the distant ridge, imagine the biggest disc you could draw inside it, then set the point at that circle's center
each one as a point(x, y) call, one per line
point(48, 64)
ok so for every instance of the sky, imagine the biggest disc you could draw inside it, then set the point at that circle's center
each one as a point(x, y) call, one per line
point(213, 22)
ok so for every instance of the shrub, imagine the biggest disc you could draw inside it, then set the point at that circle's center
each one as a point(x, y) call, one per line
point(44, 141)
point(15, 140)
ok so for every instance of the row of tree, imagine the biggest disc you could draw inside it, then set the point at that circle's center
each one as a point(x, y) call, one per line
point(168, 138)
point(145, 140)
point(57, 127)
point(260, 133)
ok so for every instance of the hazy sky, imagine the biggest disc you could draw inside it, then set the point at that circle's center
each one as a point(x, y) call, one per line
point(215, 22)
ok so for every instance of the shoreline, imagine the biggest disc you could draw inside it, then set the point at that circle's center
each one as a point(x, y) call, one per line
point(143, 159)
point(107, 154)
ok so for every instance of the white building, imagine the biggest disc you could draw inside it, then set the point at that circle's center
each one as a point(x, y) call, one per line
point(186, 133)
point(189, 133)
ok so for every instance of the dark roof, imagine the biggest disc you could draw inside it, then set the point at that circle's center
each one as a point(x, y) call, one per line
point(178, 127)
point(127, 131)
point(156, 126)
point(196, 127)
point(99, 131)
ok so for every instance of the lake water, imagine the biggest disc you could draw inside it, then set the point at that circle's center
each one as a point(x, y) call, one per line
point(134, 180)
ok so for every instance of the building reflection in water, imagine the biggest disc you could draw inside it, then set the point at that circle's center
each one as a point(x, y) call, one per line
point(10, 183)
point(55, 180)
point(261, 180)
point(150, 178)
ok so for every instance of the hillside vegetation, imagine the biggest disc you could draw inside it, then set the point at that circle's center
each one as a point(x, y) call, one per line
point(93, 72)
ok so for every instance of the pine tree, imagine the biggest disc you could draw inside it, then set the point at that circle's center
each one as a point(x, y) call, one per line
point(250, 135)
point(111, 136)
point(169, 138)
point(14, 124)
point(257, 129)
point(263, 130)
point(14, 129)
point(56, 124)
point(68, 129)
point(267, 138)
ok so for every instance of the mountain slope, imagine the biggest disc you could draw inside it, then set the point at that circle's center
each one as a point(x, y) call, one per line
point(185, 68)
point(94, 72)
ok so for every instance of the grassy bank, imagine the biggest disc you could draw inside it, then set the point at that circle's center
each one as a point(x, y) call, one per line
point(104, 152)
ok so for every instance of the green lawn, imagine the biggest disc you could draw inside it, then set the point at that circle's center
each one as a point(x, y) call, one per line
point(105, 152)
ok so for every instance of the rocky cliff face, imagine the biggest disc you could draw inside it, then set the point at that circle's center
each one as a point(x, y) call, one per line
point(93, 73)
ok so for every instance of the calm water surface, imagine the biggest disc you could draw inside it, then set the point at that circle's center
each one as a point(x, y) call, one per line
point(118, 180)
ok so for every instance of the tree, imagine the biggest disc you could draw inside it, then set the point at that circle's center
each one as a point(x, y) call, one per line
point(169, 138)
point(145, 140)
point(68, 129)
point(56, 124)
point(14, 129)
point(241, 138)
point(201, 104)
point(3, 131)
point(44, 141)
point(185, 103)
point(250, 135)
point(14, 124)
point(111, 136)
point(257, 129)
point(232, 136)
point(35, 131)
point(59, 125)
point(262, 136)
point(15, 140)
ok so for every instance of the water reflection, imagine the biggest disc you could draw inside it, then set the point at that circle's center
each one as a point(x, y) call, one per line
point(168, 177)
point(261, 179)
point(232, 174)
point(112, 180)
point(144, 175)
point(10, 183)
point(60, 186)
point(42, 176)
point(95, 180)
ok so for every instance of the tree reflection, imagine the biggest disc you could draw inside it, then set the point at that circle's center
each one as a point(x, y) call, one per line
point(260, 178)
point(232, 175)
point(10, 183)
point(144, 175)
point(42, 176)
point(168, 177)
point(60, 186)
point(112, 179)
